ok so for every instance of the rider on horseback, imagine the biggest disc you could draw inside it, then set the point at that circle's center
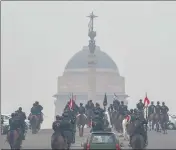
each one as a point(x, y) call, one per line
point(164, 111)
point(123, 108)
point(15, 124)
point(81, 109)
point(66, 126)
point(98, 109)
point(116, 104)
point(164, 108)
point(158, 108)
point(151, 109)
point(97, 122)
point(56, 126)
point(140, 129)
point(110, 108)
point(22, 117)
point(140, 105)
point(39, 109)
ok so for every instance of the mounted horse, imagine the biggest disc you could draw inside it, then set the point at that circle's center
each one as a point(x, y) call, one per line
point(81, 121)
point(58, 142)
point(164, 119)
point(35, 123)
point(14, 138)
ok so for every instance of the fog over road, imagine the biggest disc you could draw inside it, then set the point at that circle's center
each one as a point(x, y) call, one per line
point(43, 138)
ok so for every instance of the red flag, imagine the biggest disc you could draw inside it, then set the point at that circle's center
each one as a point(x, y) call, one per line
point(146, 101)
point(71, 102)
point(73, 98)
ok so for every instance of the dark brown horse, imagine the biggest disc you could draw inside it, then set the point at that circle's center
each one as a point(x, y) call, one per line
point(81, 120)
point(157, 121)
point(58, 142)
point(14, 139)
point(137, 140)
point(164, 118)
point(35, 123)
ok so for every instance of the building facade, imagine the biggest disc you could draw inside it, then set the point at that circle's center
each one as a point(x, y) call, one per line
point(75, 79)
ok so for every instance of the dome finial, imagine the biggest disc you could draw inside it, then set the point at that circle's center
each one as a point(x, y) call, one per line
point(91, 33)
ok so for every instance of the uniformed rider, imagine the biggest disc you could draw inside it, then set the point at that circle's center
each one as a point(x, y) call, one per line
point(15, 124)
point(158, 108)
point(66, 126)
point(56, 126)
point(39, 110)
point(97, 122)
point(22, 117)
point(140, 105)
point(123, 108)
point(151, 109)
point(164, 110)
point(110, 108)
point(140, 129)
point(81, 109)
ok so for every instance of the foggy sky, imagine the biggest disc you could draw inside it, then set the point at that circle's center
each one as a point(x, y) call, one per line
point(39, 38)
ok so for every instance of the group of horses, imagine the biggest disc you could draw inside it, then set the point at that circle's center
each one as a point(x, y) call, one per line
point(14, 137)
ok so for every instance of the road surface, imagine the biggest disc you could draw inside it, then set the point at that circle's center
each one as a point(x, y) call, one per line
point(42, 140)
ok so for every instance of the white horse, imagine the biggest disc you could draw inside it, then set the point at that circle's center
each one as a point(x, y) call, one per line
point(125, 122)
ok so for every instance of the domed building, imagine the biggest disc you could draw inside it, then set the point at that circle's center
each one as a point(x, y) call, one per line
point(75, 79)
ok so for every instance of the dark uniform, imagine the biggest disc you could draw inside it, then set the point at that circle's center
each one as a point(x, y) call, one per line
point(116, 104)
point(140, 129)
point(66, 127)
point(123, 109)
point(81, 109)
point(39, 111)
point(16, 124)
point(164, 111)
point(2, 120)
point(56, 127)
point(97, 122)
point(151, 109)
point(22, 117)
point(140, 105)
point(110, 108)
point(158, 108)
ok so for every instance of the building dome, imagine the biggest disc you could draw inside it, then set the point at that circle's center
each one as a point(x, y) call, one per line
point(79, 60)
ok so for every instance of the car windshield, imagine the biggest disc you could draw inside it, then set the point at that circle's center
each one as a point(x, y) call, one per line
point(103, 139)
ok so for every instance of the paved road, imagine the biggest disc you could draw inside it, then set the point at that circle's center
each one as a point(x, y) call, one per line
point(42, 140)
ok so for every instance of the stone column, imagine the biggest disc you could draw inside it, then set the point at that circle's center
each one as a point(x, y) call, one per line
point(92, 76)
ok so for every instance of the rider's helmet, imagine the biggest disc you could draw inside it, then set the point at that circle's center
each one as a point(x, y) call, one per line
point(158, 102)
point(15, 114)
point(20, 108)
point(122, 102)
point(65, 114)
point(140, 100)
point(58, 117)
point(12, 115)
point(131, 110)
point(96, 104)
point(152, 102)
point(37, 103)
point(81, 104)
point(163, 103)
point(90, 101)
point(96, 112)
point(135, 110)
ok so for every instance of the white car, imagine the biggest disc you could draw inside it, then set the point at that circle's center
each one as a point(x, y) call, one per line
point(6, 118)
point(172, 122)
